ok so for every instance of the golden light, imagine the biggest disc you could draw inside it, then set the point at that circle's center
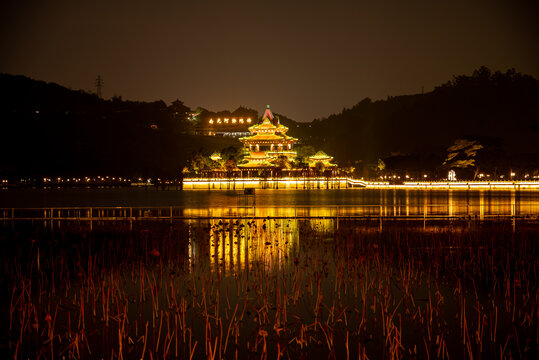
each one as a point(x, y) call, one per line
point(218, 120)
point(226, 120)
point(241, 121)
point(249, 120)
point(211, 121)
point(233, 121)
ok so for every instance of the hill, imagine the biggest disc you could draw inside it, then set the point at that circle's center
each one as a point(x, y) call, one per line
point(49, 130)
point(500, 110)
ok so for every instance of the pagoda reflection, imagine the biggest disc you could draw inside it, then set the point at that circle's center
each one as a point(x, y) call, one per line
point(244, 245)
point(229, 240)
point(390, 203)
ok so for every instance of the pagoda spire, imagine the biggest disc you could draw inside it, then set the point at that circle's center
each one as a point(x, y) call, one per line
point(268, 114)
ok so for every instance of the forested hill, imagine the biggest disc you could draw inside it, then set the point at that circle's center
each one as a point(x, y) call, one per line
point(498, 109)
point(50, 130)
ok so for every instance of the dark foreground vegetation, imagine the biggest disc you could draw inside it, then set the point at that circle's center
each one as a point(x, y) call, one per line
point(271, 289)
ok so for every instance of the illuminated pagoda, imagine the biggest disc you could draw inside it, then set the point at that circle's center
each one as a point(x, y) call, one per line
point(321, 158)
point(267, 143)
point(216, 157)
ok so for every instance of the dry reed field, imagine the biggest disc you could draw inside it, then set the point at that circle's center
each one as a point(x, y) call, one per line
point(271, 289)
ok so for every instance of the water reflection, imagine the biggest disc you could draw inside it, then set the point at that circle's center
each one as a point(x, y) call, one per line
point(240, 245)
point(394, 203)
point(245, 238)
point(232, 246)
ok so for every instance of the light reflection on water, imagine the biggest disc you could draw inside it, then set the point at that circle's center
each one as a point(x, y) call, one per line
point(209, 268)
point(391, 203)
point(275, 202)
point(236, 246)
point(232, 246)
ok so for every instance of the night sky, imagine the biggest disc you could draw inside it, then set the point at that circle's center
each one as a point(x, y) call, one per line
point(307, 59)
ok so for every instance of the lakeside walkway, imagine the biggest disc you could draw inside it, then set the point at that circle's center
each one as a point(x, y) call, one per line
point(349, 183)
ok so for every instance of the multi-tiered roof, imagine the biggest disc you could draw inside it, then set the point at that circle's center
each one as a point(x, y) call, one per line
point(267, 143)
point(321, 158)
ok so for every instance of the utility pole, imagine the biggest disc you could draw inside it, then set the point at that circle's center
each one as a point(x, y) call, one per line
point(99, 85)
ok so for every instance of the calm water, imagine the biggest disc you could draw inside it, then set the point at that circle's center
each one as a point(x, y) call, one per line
point(289, 202)
point(303, 288)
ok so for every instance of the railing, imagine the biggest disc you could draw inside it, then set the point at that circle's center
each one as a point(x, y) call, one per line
point(345, 182)
point(171, 213)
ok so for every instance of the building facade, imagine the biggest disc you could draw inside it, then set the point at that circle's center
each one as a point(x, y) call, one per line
point(267, 143)
point(225, 123)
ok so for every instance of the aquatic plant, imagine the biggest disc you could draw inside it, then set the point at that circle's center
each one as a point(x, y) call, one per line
point(271, 288)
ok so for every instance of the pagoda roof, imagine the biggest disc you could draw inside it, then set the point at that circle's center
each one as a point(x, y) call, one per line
point(281, 128)
point(266, 124)
point(320, 156)
point(257, 164)
point(257, 154)
point(287, 153)
point(268, 137)
point(268, 114)
point(215, 156)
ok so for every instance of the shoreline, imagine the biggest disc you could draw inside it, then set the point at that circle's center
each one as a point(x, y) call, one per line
point(349, 183)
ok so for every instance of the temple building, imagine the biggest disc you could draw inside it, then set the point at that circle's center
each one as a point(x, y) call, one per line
point(215, 157)
point(321, 159)
point(267, 143)
point(225, 123)
point(226, 126)
point(268, 147)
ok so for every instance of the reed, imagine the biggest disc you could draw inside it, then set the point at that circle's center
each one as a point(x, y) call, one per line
point(273, 289)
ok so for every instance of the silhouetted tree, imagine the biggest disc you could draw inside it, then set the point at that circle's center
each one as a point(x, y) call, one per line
point(462, 154)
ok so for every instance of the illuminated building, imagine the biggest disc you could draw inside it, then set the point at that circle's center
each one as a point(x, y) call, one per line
point(215, 156)
point(267, 143)
point(321, 159)
point(233, 124)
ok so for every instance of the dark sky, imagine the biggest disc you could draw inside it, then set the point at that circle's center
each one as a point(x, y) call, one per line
point(307, 59)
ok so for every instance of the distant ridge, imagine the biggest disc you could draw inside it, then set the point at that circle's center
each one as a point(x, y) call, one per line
point(48, 129)
point(499, 109)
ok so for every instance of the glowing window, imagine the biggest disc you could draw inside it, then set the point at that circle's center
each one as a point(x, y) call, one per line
point(226, 121)
point(218, 121)
point(241, 121)
point(233, 121)
point(211, 121)
point(249, 120)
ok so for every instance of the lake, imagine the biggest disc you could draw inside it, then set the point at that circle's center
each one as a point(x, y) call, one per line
point(284, 283)
point(287, 202)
